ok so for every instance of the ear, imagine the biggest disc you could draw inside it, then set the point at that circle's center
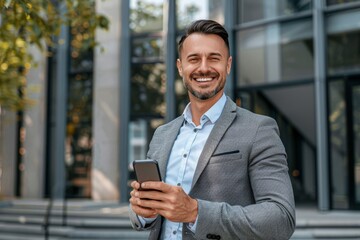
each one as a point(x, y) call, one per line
point(228, 66)
point(179, 67)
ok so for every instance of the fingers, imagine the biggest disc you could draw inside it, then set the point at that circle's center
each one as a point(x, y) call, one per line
point(144, 212)
point(159, 186)
point(135, 185)
point(141, 207)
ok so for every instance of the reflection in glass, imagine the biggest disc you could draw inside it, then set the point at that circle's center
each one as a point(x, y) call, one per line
point(251, 52)
point(334, 2)
point(140, 134)
point(147, 48)
point(188, 11)
point(275, 53)
point(78, 155)
point(343, 51)
point(182, 98)
point(297, 52)
point(356, 134)
point(148, 90)
point(338, 145)
point(146, 15)
point(260, 9)
point(81, 61)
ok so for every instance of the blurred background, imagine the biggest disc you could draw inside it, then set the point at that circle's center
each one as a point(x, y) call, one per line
point(96, 106)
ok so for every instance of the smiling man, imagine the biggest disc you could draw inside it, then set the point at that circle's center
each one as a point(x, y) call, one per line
point(224, 168)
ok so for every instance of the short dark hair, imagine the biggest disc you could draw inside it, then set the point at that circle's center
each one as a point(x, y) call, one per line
point(205, 27)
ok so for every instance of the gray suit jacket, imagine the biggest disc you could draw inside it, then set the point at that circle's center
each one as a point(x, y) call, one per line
point(241, 181)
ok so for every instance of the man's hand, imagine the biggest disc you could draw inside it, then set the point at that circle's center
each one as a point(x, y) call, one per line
point(136, 203)
point(169, 201)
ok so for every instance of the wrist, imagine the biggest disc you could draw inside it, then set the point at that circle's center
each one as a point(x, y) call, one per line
point(194, 211)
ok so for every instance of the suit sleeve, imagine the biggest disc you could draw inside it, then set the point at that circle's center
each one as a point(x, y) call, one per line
point(272, 216)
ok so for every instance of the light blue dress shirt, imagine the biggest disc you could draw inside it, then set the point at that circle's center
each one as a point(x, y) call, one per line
point(184, 157)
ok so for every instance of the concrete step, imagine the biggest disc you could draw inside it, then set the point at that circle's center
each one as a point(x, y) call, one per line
point(100, 212)
point(59, 232)
point(84, 220)
point(70, 221)
point(326, 233)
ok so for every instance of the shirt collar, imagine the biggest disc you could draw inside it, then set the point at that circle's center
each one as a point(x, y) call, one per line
point(212, 114)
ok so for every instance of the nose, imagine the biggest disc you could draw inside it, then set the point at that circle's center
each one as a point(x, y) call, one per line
point(204, 66)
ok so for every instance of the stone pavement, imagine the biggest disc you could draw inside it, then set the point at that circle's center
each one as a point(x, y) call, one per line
point(24, 219)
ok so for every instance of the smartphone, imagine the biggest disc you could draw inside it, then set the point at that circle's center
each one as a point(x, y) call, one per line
point(146, 170)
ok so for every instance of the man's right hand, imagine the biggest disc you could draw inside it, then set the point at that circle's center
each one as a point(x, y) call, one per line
point(135, 203)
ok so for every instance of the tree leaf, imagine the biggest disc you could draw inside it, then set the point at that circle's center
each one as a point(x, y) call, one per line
point(7, 3)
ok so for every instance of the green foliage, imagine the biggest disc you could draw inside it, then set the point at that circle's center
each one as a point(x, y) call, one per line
point(24, 23)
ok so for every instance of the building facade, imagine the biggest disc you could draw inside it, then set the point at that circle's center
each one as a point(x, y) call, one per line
point(297, 61)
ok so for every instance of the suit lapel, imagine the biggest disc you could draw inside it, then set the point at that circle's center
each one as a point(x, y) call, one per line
point(168, 144)
point(221, 125)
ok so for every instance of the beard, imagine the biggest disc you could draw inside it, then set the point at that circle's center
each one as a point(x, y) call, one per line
point(206, 94)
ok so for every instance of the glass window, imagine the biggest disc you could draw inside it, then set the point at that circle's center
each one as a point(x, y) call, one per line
point(147, 49)
point(140, 134)
point(297, 52)
point(188, 11)
point(275, 53)
point(338, 145)
point(78, 155)
point(251, 52)
point(148, 90)
point(343, 42)
point(261, 9)
point(146, 15)
point(181, 93)
point(335, 2)
point(356, 144)
point(81, 61)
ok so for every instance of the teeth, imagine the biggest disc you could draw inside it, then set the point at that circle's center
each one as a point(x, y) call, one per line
point(203, 79)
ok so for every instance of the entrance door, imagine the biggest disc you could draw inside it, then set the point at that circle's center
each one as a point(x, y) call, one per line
point(354, 142)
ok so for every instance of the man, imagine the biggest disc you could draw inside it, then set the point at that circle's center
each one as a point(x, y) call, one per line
point(224, 168)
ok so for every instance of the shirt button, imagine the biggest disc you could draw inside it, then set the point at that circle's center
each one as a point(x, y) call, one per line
point(174, 232)
point(185, 155)
point(179, 184)
point(195, 130)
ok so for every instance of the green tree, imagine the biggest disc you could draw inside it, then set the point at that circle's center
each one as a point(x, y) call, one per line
point(24, 23)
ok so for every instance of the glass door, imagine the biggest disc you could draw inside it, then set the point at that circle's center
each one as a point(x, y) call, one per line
point(354, 142)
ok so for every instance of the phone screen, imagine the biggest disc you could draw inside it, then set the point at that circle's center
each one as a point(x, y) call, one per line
point(146, 170)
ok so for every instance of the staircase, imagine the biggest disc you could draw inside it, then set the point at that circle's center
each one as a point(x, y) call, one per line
point(329, 225)
point(85, 219)
point(25, 220)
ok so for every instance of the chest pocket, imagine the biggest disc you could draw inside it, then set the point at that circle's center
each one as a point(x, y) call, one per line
point(225, 156)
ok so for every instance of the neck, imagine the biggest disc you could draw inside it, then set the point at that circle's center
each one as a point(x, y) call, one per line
point(199, 107)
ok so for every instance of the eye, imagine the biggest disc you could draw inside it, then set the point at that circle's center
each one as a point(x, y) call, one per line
point(215, 59)
point(193, 60)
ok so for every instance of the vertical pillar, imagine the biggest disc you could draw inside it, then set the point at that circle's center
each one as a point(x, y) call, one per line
point(170, 57)
point(32, 181)
point(106, 116)
point(61, 85)
point(229, 13)
point(8, 138)
point(320, 101)
point(125, 94)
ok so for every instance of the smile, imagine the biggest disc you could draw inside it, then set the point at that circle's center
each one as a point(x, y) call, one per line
point(203, 79)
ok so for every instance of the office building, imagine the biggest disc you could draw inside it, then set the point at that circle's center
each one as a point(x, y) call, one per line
point(297, 61)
